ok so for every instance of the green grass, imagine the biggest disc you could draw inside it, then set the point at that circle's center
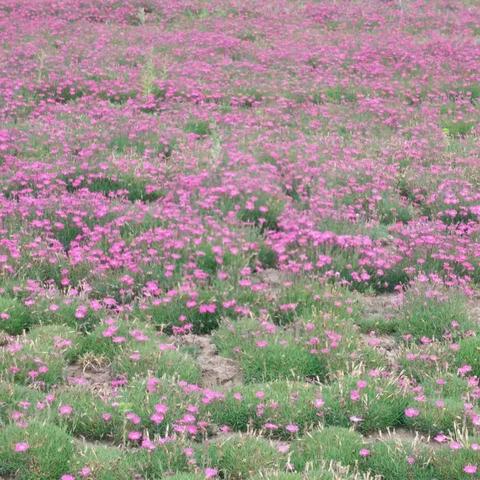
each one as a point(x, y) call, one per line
point(380, 405)
point(240, 456)
point(326, 445)
point(48, 456)
point(15, 316)
point(469, 354)
point(198, 127)
point(429, 311)
point(285, 403)
point(398, 460)
point(457, 128)
point(281, 362)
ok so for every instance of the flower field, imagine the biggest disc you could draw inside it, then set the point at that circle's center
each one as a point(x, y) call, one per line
point(239, 239)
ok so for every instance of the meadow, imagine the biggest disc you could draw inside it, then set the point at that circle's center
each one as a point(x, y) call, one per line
point(239, 239)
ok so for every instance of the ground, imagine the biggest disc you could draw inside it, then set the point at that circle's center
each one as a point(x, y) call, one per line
point(239, 239)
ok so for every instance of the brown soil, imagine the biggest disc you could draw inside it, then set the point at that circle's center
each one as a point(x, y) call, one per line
point(216, 370)
point(96, 378)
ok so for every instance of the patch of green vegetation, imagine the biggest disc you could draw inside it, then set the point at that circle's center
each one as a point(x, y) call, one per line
point(135, 186)
point(469, 354)
point(379, 405)
point(148, 357)
point(329, 444)
point(279, 361)
point(119, 98)
point(282, 403)
point(47, 454)
point(198, 127)
point(337, 95)
point(397, 460)
point(429, 311)
point(457, 128)
point(15, 317)
point(88, 416)
point(263, 212)
point(240, 456)
point(433, 419)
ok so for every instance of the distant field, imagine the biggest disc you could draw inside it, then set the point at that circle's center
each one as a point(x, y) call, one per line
point(239, 239)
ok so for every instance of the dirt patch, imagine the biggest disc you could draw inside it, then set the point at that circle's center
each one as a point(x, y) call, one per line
point(382, 305)
point(404, 436)
point(5, 339)
point(96, 378)
point(273, 277)
point(474, 307)
point(216, 370)
point(386, 345)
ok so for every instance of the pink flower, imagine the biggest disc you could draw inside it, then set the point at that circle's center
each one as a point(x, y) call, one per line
point(411, 412)
point(210, 472)
point(356, 419)
point(292, 428)
point(470, 469)
point(157, 418)
point(464, 369)
point(65, 410)
point(134, 435)
point(85, 472)
point(81, 312)
point(354, 395)
point(270, 426)
point(440, 438)
point(148, 444)
point(67, 476)
point(364, 452)
point(106, 417)
point(133, 417)
point(21, 447)
point(283, 448)
point(161, 408)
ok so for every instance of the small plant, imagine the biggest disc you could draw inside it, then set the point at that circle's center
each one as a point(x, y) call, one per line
point(456, 129)
point(11, 395)
point(14, 316)
point(460, 462)
point(326, 445)
point(391, 210)
point(337, 94)
point(398, 460)
point(279, 361)
point(41, 450)
point(469, 354)
point(40, 358)
point(262, 211)
point(103, 462)
point(431, 311)
point(369, 404)
point(149, 357)
point(198, 127)
point(240, 456)
point(87, 414)
point(280, 404)
point(433, 417)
